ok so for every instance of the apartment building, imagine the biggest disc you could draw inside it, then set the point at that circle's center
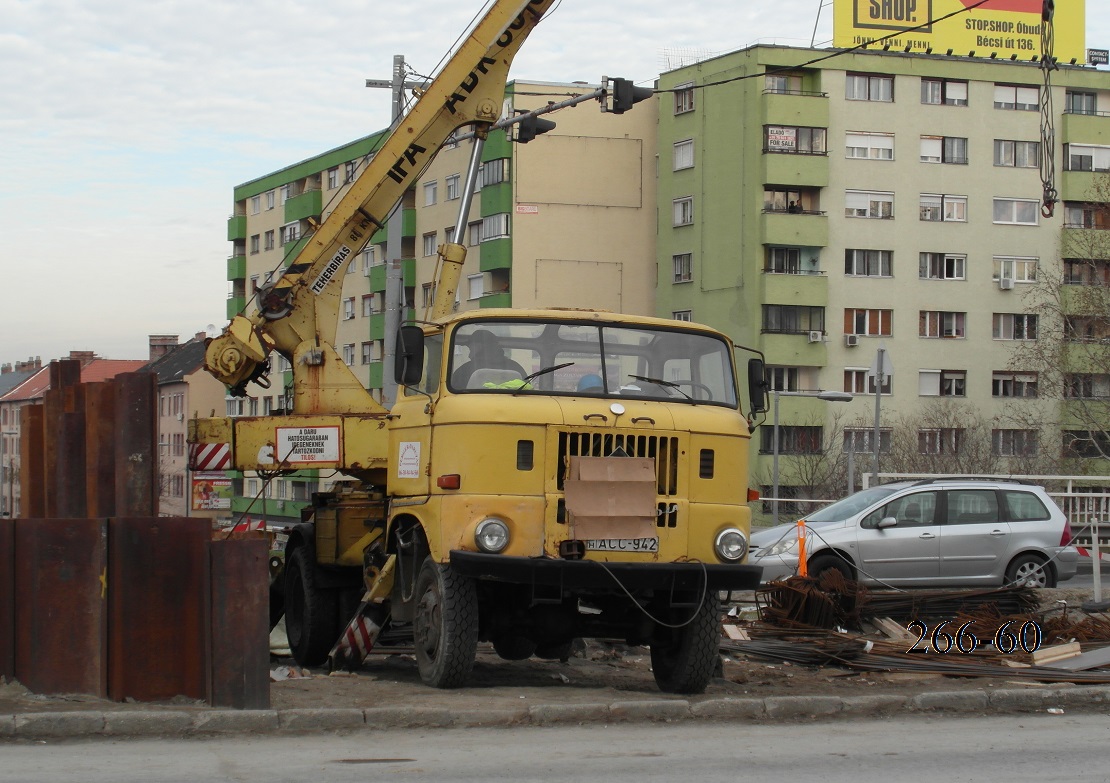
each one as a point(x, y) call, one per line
point(566, 220)
point(819, 211)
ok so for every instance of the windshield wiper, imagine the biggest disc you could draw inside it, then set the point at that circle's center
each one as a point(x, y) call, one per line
point(664, 384)
point(524, 382)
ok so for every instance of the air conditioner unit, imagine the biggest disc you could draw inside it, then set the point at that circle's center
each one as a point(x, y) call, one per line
point(1006, 283)
point(280, 504)
point(181, 417)
point(851, 340)
point(816, 336)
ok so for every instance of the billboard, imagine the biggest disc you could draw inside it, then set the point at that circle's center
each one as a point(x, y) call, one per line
point(211, 491)
point(1001, 27)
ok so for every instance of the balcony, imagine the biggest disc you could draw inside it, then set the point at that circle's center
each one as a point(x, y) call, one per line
point(794, 349)
point(1085, 128)
point(496, 254)
point(801, 289)
point(408, 273)
point(236, 268)
point(809, 229)
point(498, 299)
point(796, 169)
point(235, 305)
point(306, 205)
point(236, 227)
point(796, 107)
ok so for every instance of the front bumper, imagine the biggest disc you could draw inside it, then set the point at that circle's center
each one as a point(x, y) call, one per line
point(591, 574)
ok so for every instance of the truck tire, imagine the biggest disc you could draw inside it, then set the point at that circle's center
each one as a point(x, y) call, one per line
point(311, 612)
point(514, 648)
point(683, 659)
point(445, 627)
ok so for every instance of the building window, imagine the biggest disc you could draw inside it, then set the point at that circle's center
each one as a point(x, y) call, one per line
point(942, 207)
point(869, 146)
point(684, 98)
point(1077, 215)
point(1080, 102)
point(1019, 154)
point(1016, 97)
point(1014, 443)
point(367, 305)
point(782, 378)
point(860, 440)
point(268, 240)
point(431, 190)
point(428, 295)
point(451, 183)
point(1014, 326)
point(1083, 271)
point(494, 172)
point(944, 440)
point(1016, 211)
point(942, 266)
point(474, 233)
point(683, 267)
point(256, 204)
point(866, 87)
point(1085, 444)
point(868, 263)
point(1020, 270)
point(333, 178)
point(269, 199)
point(495, 226)
point(943, 149)
point(430, 244)
point(792, 440)
point(349, 170)
point(944, 92)
point(475, 286)
point(793, 319)
point(349, 354)
point(254, 243)
point(348, 308)
point(1014, 384)
point(784, 260)
point(285, 192)
point(684, 211)
point(289, 233)
point(793, 139)
point(1087, 386)
point(682, 315)
point(1086, 329)
point(868, 204)
point(1086, 157)
point(942, 383)
point(858, 380)
point(785, 200)
point(871, 323)
point(783, 83)
point(366, 352)
point(684, 154)
point(936, 323)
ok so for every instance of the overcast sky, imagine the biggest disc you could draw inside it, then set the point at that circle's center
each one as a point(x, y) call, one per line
point(126, 125)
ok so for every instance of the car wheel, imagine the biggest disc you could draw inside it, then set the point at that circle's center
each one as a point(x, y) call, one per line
point(445, 627)
point(829, 562)
point(683, 659)
point(311, 612)
point(1030, 570)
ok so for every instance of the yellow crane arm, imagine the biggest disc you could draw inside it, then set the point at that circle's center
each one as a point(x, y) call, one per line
point(298, 315)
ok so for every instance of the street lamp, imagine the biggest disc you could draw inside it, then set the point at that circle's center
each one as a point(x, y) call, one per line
point(827, 396)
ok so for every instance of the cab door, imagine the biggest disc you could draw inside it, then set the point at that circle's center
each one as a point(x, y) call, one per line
point(907, 551)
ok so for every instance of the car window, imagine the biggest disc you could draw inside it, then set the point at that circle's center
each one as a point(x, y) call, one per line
point(972, 506)
point(851, 505)
point(1024, 506)
point(913, 510)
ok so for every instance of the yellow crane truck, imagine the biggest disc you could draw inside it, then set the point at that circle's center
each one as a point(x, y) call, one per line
point(543, 476)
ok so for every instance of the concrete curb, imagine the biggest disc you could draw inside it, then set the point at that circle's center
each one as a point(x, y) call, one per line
point(200, 723)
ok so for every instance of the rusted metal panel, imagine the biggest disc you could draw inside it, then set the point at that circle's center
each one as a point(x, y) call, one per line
point(158, 604)
point(136, 450)
point(60, 618)
point(51, 426)
point(240, 653)
point(100, 448)
point(7, 598)
point(69, 479)
point(64, 373)
point(32, 466)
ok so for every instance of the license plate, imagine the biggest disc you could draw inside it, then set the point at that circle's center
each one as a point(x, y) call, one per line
point(623, 544)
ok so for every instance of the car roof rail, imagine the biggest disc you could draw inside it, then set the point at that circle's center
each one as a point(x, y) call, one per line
point(998, 479)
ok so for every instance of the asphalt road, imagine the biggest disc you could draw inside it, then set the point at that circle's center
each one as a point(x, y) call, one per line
point(1039, 747)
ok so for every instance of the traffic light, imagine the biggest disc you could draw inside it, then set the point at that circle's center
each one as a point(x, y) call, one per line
point(530, 127)
point(623, 94)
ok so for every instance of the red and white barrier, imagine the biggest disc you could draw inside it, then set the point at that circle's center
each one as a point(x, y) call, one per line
point(358, 638)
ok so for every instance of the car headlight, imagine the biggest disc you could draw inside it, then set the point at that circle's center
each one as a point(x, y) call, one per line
point(731, 545)
point(781, 547)
point(491, 535)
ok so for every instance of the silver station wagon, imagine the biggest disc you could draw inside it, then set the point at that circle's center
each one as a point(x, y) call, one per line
point(950, 532)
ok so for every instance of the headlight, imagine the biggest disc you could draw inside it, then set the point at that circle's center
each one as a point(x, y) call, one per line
point(782, 547)
point(491, 535)
point(731, 545)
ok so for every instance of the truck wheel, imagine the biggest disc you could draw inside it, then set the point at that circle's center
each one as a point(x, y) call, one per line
point(683, 659)
point(445, 628)
point(514, 648)
point(310, 611)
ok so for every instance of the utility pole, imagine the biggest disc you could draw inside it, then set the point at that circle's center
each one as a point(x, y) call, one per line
point(394, 274)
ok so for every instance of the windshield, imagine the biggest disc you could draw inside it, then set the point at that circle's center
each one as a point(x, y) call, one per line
point(853, 504)
point(592, 360)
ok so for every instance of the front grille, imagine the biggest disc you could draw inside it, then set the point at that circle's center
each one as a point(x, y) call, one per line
point(662, 449)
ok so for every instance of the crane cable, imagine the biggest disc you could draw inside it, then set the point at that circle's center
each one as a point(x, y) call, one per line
point(1048, 132)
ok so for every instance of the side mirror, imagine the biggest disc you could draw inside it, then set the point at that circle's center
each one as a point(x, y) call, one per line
point(757, 386)
point(408, 366)
point(886, 522)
